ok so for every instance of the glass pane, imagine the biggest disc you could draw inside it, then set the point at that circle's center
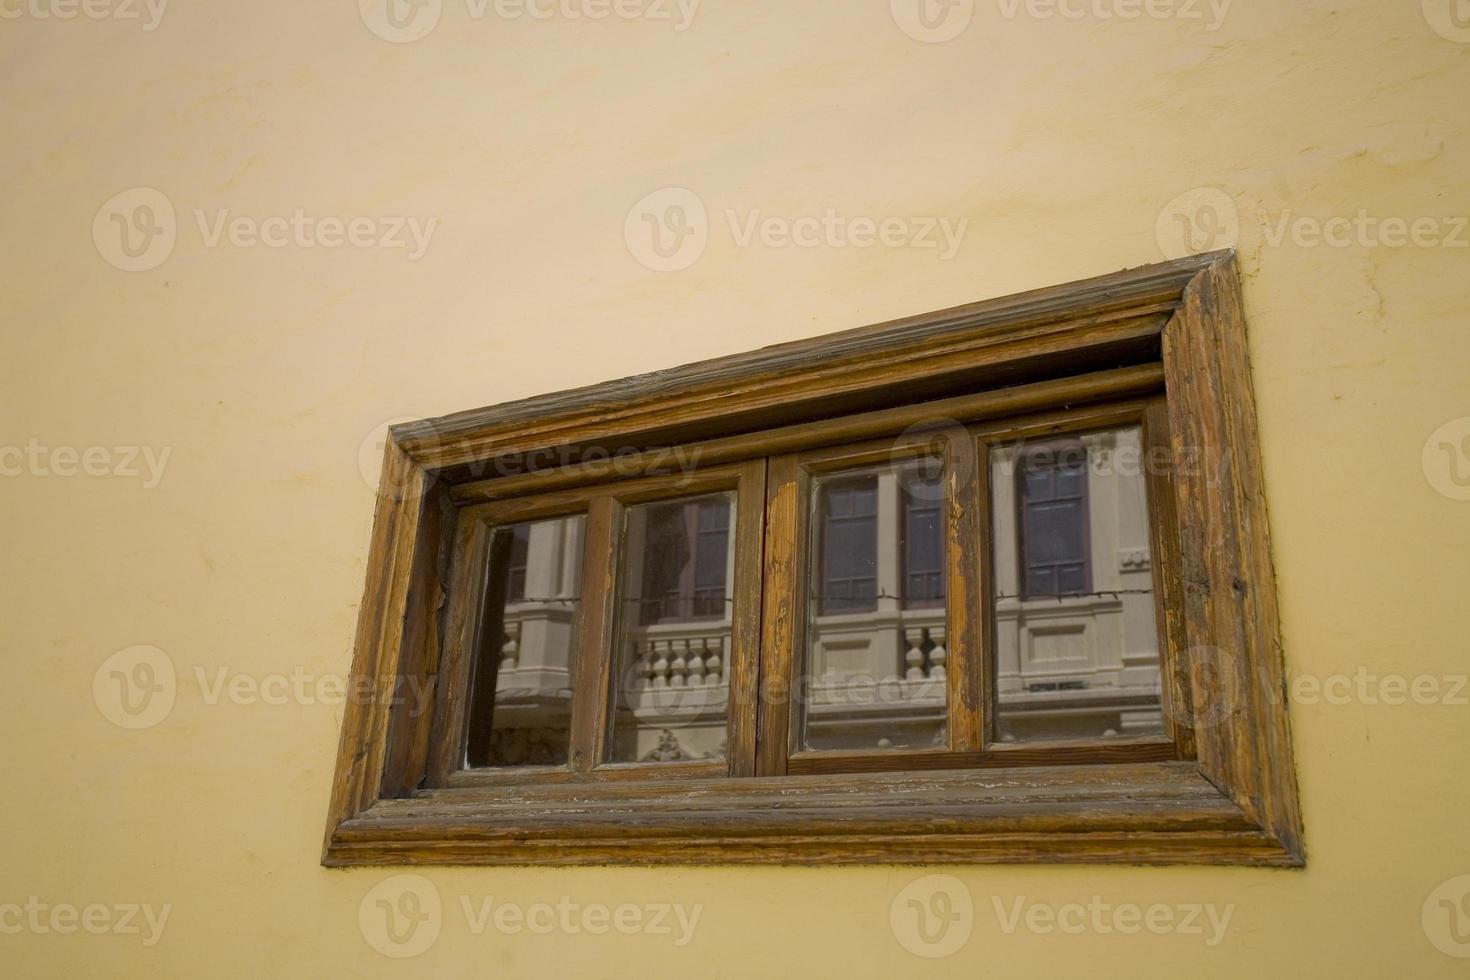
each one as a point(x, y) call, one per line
point(521, 704)
point(1077, 647)
point(923, 544)
point(849, 545)
point(674, 631)
point(873, 674)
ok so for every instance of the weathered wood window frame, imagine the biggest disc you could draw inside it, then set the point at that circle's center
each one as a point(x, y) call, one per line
point(1162, 347)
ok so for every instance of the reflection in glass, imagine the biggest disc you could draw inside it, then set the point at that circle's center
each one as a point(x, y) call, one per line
point(874, 673)
point(672, 690)
point(521, 698)
point(1077, 648)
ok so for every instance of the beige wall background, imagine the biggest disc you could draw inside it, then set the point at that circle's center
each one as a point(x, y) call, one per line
point(263, 372)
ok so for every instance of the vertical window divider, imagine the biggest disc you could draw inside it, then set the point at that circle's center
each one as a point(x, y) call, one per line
point(783, 610)
point(746, 626)
point(967, 552)
point(592, 689)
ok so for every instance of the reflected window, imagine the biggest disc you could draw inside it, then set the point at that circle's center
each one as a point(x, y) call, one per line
point(848, 523)
point(1051, 490)
point(521, 698)
point(923, 542)
point(1076, 637)
point(686, 548)
point(875, 657)
point(674, 634)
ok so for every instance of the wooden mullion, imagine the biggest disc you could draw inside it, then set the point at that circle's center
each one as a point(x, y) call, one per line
point(745, 633)
point(596, 623)
point(966, 552)
point(783, 612)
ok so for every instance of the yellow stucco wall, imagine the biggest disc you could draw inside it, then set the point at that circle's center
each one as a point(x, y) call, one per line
point(262, 372)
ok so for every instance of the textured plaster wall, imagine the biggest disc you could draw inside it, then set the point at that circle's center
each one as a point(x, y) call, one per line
point(1060, 145)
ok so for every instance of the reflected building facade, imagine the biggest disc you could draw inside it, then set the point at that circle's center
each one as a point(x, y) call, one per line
point(1073, 612)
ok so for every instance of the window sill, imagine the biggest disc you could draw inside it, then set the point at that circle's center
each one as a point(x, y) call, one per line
point(1152, 813)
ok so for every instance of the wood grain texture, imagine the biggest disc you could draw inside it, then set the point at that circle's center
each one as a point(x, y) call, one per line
point(362, 749)
point(1168, 587)
point(745, 629)
point(972, 626)
point(999, 755)
point(595, 651)
point(1237, 669)
point(1157, 813)
point(1053, 360)
point(1074, 391)
point(411, 713)
point(466, 600)
point(783, 616)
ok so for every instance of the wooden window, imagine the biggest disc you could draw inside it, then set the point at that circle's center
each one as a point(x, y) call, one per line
point(990, 584)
